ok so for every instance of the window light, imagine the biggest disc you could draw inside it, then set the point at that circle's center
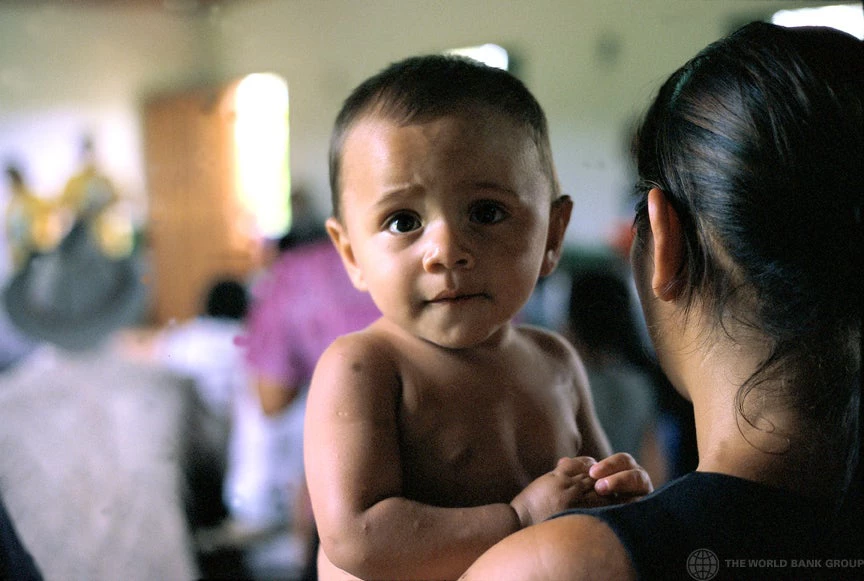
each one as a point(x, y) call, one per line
point(261, 150)
point(846, 17)
point(490, 54)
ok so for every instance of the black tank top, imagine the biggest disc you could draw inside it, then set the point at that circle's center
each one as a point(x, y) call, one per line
point(712, 526)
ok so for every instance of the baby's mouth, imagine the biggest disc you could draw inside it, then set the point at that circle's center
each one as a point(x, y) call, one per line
point(452, 296)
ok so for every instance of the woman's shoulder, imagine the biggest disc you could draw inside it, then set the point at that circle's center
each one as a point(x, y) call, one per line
point(573, 548)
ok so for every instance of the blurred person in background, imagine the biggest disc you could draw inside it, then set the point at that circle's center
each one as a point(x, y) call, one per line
point(32, 223)
point(248, 477)
point(18, 246)
point(603, 327)
point(299, 305)
point(203, 349)
point(93, 445)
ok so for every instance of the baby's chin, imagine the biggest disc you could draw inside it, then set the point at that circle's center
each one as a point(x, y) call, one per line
point(466, 338)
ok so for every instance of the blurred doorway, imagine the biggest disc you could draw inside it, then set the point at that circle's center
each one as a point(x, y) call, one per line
point(218, 183)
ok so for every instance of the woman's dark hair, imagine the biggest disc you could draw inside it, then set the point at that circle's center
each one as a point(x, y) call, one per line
point(424, 88)
point(758, 143)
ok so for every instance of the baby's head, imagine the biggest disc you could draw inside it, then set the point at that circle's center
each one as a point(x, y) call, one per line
point(446, 208)
point(426, 88)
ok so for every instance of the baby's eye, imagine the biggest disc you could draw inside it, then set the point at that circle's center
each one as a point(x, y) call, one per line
point(402, 222)
point(487, 213)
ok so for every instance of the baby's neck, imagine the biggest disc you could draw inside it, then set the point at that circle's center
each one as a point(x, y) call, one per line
point(492, 345)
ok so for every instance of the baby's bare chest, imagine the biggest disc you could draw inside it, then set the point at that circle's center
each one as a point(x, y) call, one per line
point(481, 438)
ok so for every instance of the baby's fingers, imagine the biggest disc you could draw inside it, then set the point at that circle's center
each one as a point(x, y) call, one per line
point(619, 462)
point(619, 474)
point(573, 466)
point(629, 483)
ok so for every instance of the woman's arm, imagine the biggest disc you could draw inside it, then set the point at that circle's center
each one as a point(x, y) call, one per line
point(568, 548)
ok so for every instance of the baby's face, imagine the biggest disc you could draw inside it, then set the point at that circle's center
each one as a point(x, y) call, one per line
point(446, 223)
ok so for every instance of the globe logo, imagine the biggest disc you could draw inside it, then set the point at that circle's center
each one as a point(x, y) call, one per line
point(703, 564)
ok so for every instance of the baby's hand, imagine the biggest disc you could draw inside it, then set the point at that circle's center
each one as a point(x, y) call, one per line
point(620, 477)
point(567, 485)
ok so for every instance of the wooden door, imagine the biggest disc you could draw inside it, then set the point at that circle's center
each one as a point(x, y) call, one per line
point(197, 228)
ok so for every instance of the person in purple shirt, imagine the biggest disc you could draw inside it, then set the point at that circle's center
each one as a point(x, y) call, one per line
point(300, 305)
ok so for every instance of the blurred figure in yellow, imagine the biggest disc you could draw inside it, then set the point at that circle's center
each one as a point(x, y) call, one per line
point(89, 195)
point(32, 223)
point(88, 192)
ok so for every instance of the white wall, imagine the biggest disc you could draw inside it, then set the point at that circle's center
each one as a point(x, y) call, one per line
point(66, 71)
point(593, 65)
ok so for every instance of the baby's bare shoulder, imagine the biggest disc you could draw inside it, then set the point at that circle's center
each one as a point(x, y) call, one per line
point(356, 376)
point(367, 341)
point(547, 344)
point(366, 352)
point(550, 351)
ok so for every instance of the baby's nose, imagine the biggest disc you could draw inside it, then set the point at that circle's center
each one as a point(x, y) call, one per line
point(446, 249)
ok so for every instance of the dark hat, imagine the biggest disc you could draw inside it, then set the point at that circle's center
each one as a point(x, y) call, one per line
point(75, 296)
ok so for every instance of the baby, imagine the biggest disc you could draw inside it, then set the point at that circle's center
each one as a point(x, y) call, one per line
point(430, 434)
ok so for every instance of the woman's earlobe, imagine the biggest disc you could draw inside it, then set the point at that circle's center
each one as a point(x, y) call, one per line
point(668, 237)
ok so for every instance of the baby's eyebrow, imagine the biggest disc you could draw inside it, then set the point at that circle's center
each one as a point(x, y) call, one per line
point(396, 194)
point(495, 186)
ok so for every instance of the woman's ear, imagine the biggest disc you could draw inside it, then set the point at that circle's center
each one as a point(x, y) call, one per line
point(339, 237)
point(668, 255)
point(559, 217)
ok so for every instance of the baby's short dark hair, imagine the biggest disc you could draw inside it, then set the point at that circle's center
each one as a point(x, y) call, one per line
point(424, 88)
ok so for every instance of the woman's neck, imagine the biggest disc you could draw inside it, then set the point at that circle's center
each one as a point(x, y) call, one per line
point(759, 439)
point(753, 432)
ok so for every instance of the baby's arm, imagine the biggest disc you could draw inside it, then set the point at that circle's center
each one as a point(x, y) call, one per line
point(568, 485)
point(354, 471)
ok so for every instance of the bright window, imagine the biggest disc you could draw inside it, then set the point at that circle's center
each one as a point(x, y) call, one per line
point(261, 150)
point(490, 54)
point(846, 17)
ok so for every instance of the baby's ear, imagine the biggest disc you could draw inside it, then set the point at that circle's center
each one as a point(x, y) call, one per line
point(339, 236)
point(559, 217)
